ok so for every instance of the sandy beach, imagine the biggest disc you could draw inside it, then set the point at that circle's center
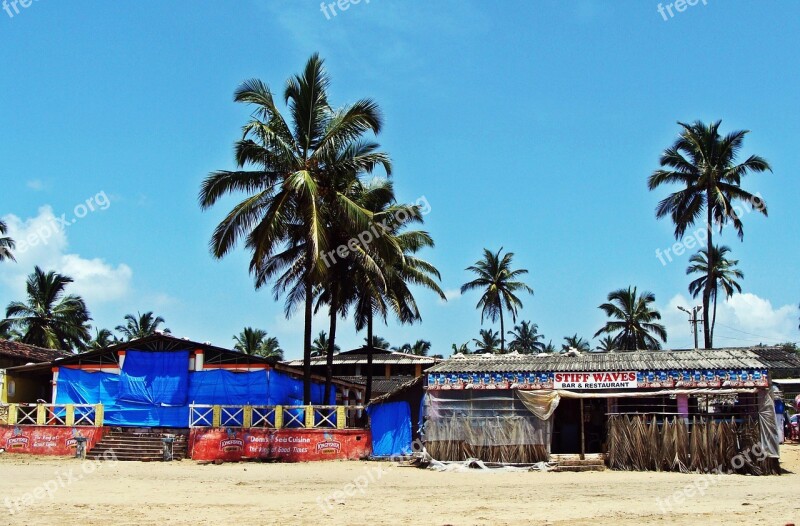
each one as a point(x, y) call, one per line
point(380, 493)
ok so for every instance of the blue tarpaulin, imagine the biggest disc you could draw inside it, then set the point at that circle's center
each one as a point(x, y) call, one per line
point(159, 395)
point(390, 424)
point(155, 378)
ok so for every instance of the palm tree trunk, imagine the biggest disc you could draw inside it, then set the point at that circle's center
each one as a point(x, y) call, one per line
point(707, 290)
point(714, 319)
point(368, 393)
point(502, 332)
point(307, 334)
point(331, 345)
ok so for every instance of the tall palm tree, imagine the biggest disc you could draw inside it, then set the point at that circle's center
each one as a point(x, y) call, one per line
point(290, 189)
point(575, 342)
point(256, 342)
point(377, 342)
point(50, 318)
point(488, 342)
point(722, 272)
point(140, 326)
point(499, 284)
point(550, 348)
point(6, 244)
point(7, 333)
point(633, 320)
point(320, 345)
point(381, 280)
point(705, 165)
point(526, 338)
point(607, 344)
point(103, 338)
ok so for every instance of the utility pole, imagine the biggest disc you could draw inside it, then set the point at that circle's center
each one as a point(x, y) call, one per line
point(693, 321)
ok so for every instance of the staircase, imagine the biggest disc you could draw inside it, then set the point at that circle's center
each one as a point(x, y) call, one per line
point(144, 445)
point(573, 463)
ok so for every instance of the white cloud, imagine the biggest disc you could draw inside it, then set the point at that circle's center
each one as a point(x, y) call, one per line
point(451, 295)
point(745, 319)
point(36, 185)
point(41, 241)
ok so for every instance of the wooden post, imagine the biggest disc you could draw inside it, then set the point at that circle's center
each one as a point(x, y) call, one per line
point(69, 419)
point(216, 416)
point(99, 415)
point(278, 416)
point(309, 420)
point(341, 417)
point(12, 414)
point(247, 417)
point(41, 414)
point(583, 441)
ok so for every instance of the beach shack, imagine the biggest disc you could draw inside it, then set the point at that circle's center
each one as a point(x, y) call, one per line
point(213, 403)
point(692, 410)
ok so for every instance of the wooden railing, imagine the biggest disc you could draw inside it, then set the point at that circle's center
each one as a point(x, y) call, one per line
point(52, 414)
point(276, 416)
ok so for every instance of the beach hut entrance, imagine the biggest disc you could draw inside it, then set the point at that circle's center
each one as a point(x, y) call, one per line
point(579, 426)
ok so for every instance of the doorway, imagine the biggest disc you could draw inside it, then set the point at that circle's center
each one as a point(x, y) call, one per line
point(567, 426)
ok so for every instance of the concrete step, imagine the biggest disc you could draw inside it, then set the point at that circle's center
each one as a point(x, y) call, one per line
point(577, 469)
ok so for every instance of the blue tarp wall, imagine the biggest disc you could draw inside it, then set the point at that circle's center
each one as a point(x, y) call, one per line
point(390, 424)
point(154, 389)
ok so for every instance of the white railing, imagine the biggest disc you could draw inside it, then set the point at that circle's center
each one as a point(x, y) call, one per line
point(276, 416)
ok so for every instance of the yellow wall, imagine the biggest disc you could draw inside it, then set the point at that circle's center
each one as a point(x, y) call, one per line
point(25, 390)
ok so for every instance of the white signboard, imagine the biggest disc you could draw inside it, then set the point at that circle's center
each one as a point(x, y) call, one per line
point(601, 380)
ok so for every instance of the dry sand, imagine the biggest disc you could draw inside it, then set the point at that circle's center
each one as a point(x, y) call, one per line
point(249, 493)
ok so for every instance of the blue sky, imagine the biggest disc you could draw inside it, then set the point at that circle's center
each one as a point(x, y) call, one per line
point(527, 125)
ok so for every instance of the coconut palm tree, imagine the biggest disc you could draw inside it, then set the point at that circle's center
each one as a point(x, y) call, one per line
point(606, 344)
point(488, 342)
point(633, 320)
point(7, 333)
point(381, 280)
point(377, 342)
point(705, 165)
point(256, 342)
point(103, 338)
point(418, 348)
point(575, 342)
point(461, 349)
point(290, 188)
point(526, 338)
point(49, 317)
point(550, 348)
point(6, 244)
point(140, 326)
point(499, 284)
point(320, 345)
point(721, 270)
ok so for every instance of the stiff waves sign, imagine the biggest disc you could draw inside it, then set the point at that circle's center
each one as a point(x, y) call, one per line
point(600, 380)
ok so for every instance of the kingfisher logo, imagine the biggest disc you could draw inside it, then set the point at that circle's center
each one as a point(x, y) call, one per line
point(232, 443)
point(329, 446)
point(17, 440)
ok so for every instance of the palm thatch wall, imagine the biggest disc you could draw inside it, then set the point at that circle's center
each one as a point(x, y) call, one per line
point(643, 443)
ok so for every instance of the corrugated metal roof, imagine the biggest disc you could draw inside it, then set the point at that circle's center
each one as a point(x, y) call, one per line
point(360, 358)
point(617, 361)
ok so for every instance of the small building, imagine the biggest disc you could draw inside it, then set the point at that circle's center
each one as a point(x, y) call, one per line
point(14, 354)
point(692, 410)
point(390, 369)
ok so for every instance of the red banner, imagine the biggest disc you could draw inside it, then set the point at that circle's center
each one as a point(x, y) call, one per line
point(286, 445)
point(47, 440)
